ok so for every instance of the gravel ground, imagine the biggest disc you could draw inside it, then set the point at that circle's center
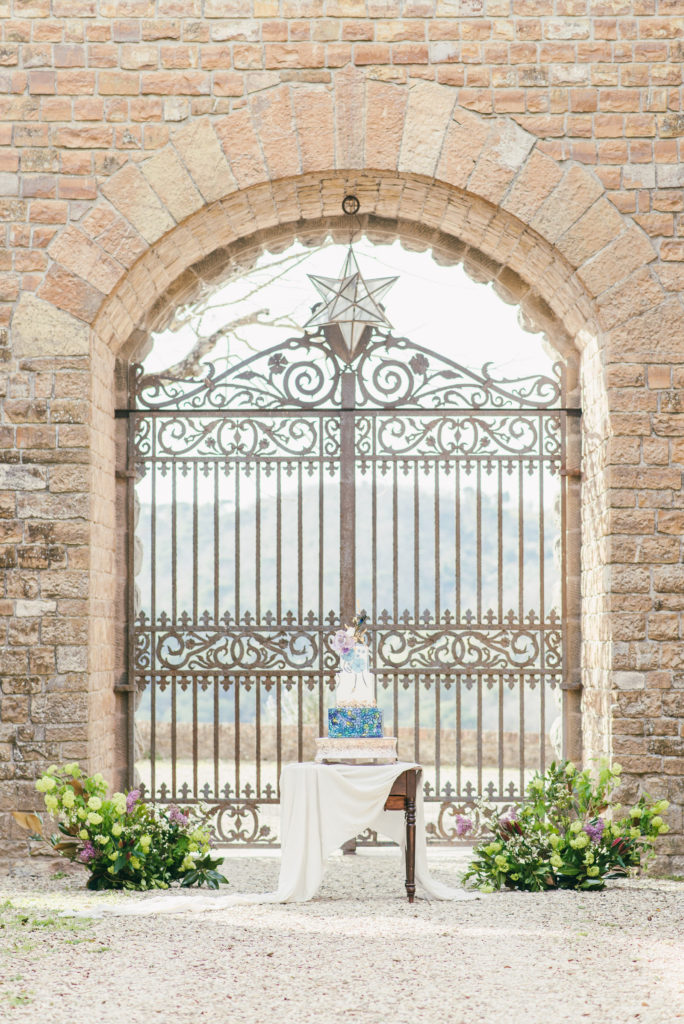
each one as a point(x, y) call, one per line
point(357, 953)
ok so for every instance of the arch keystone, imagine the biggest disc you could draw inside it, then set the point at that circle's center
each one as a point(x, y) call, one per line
point(313, 118)
point(349, 118)
point(385, 115)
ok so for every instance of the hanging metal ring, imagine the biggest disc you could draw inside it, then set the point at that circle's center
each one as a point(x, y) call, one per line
point(350, 205)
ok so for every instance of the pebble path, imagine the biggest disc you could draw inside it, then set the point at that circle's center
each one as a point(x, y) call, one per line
point(357, 954)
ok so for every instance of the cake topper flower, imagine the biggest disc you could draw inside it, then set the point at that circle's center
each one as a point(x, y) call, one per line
point(350, 641)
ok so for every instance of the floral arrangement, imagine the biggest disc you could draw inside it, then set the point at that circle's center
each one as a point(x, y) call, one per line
point(351, 644)
point(123, 842)
point(565, 834)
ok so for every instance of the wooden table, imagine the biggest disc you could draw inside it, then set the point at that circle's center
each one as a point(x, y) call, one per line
point(402, 797)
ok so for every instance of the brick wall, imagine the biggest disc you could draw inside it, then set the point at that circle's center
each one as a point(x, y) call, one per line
point(142, 144)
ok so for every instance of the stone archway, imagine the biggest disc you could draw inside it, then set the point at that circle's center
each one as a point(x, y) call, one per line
point(470, 187)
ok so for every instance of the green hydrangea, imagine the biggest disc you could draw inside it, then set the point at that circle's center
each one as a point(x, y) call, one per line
point(566, 833)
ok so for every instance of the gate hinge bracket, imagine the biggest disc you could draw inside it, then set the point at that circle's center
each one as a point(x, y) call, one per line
point(123, 686)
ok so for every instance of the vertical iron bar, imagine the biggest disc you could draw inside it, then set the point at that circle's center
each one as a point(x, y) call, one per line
point(570, 720)
point(279, 732)
point(521, 544)
point(438, 733)
point(132, 681)
point(521, 730)
point(174, 736)
point(216, 543)
point(459, 739)
point(478, 571)
point(238, 542)
point(194, 543)
point(236, 755)
point(457, 537)
point(416, 716)
point(521, 677)
point(542, 605)
point(153, 612)
point(257, 544)
point(499, 548)
point(416, 545)
point(347, 502)
point(174, 544)
point(479, 733)
point(374, 532)
point(195, 739)
point(216, 584)
point(300, 698)
point(438, 580)
point(395, 545)
point(501, 734)
point(216, 736)
point(300, 548)
point(257, 726)
point(153, 736)
point(279, 546)
point(321, 563)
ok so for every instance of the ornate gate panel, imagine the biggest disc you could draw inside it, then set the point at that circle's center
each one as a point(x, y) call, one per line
point(275, 499)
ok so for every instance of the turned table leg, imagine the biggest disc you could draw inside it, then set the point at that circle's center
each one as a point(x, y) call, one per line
point(411, 837)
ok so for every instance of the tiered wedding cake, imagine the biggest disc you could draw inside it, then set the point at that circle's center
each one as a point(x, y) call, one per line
point(355, 723)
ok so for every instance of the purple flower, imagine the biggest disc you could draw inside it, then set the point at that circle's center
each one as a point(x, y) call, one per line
point(463, 825)
point(88, 852)
point(342, 643)
point(175, 814)
point(595, 831)
point(131, 800)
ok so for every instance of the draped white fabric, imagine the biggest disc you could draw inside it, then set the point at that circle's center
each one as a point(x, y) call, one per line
point(322, 806)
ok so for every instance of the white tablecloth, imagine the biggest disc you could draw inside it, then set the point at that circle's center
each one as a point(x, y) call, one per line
point(322, 806)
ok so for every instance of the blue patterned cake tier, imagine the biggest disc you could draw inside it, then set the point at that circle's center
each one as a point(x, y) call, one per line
point(351, 722)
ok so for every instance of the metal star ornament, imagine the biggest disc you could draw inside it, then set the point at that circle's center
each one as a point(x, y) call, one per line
point(350, 303)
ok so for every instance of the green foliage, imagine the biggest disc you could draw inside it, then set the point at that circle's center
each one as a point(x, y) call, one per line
point(566, 835)
point(123, 843)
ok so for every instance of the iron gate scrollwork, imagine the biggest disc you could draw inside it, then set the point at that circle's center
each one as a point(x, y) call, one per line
point(272, 496)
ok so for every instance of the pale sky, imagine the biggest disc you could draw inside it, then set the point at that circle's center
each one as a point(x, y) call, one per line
point(437, 307)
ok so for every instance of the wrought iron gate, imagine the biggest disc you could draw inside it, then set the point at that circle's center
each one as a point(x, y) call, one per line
point(274, 499)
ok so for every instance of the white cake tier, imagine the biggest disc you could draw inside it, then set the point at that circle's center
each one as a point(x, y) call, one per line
point(355, 689)
point(357, 749)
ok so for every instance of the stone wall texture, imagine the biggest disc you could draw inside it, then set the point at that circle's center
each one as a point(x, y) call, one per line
point(145, 144)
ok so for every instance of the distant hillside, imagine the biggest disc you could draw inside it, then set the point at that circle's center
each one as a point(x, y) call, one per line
point(310, 575)
point(331, 574)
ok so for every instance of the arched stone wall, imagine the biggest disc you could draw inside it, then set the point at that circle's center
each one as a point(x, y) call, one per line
point(468, 186)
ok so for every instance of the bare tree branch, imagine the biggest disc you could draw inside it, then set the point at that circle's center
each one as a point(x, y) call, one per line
point(189, 317)
point(190, 366)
